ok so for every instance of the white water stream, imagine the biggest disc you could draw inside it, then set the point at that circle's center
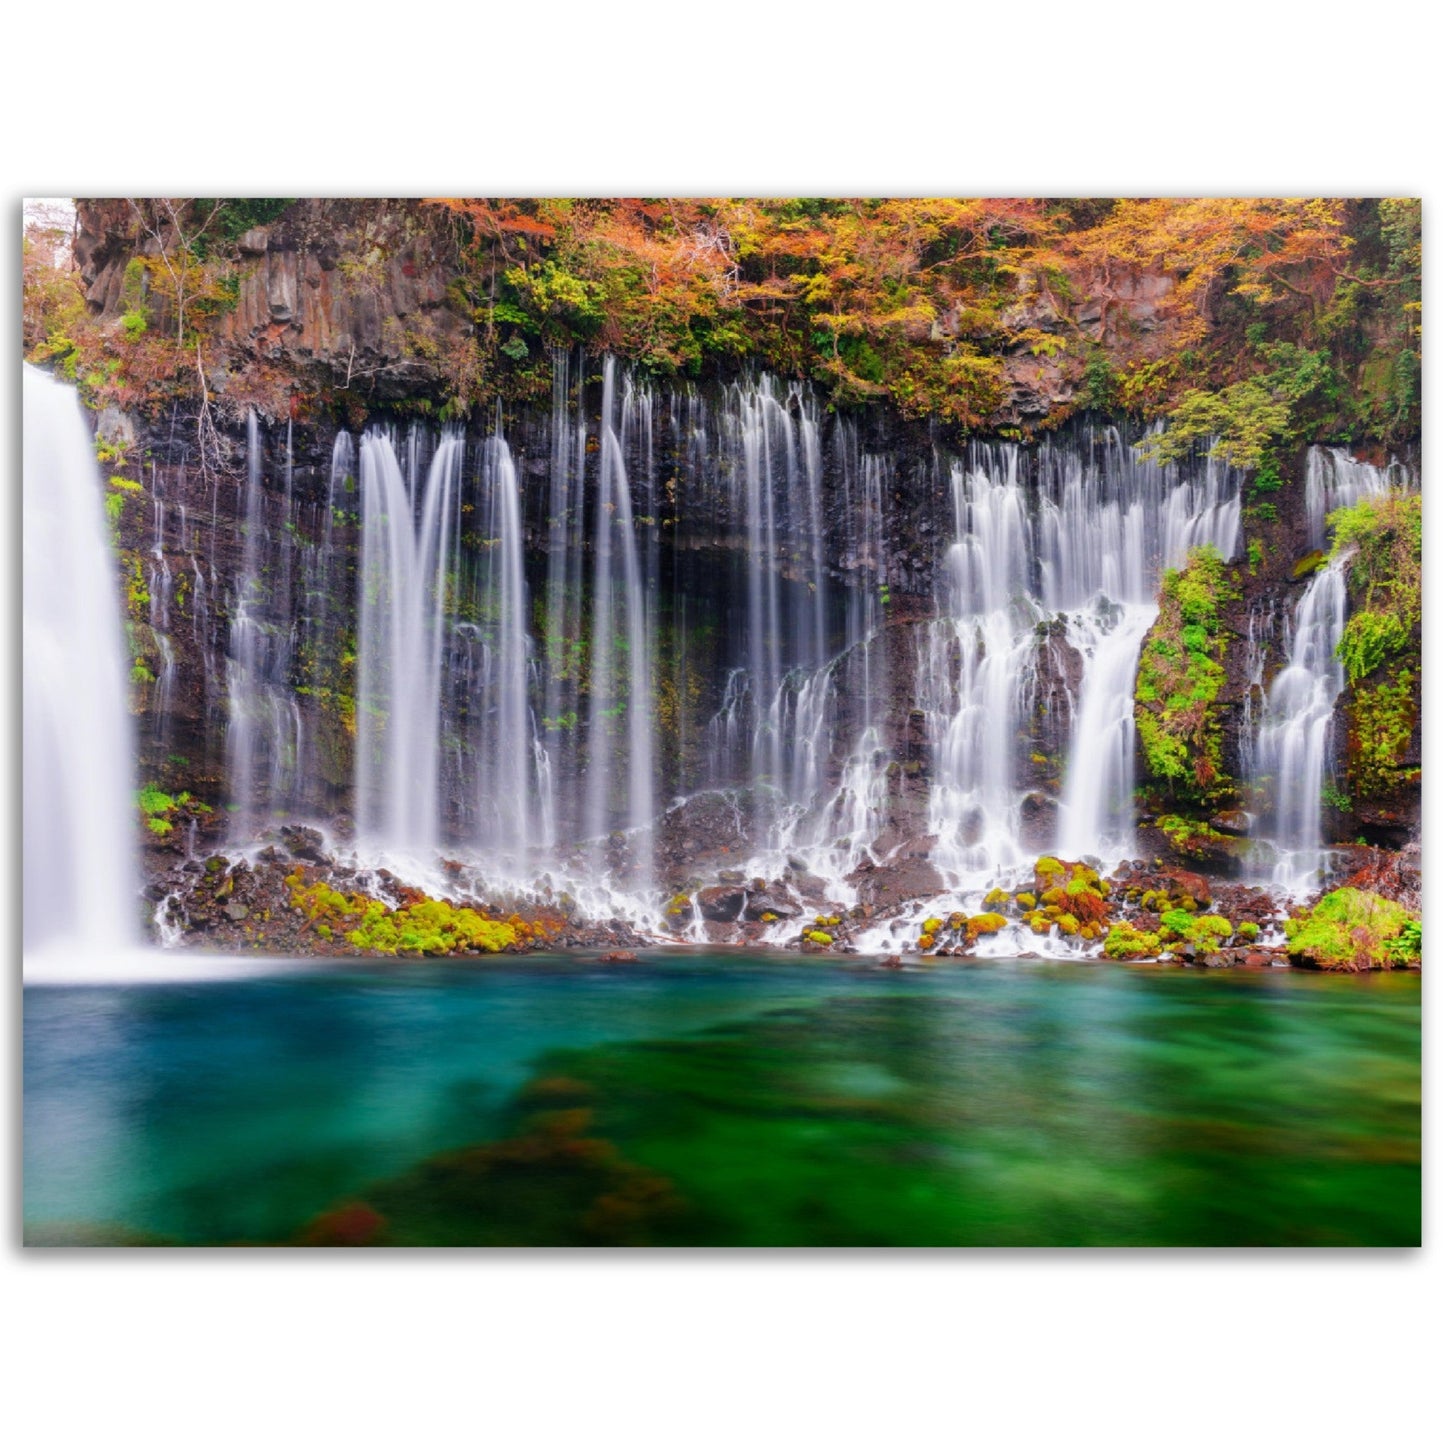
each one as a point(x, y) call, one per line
point(538, 721)
point(78, 839)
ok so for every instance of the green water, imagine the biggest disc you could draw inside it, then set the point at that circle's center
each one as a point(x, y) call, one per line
point(727, 1099)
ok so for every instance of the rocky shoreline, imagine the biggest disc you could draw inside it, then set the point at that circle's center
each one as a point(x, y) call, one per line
point(298, 895)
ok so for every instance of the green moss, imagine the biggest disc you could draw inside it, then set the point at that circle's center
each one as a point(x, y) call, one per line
point(816, 935)
point(1382, 725)
point(431, 926)
point(1126, 941)
point(153, 801)
point(1248, 931)
point(1194, 837)
point(1352, 930)
point(159, 826)
point(1206, 931)
point(1180, 677)
point(1369, 639)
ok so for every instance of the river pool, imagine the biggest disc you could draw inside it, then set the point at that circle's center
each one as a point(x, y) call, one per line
point(706, 1098)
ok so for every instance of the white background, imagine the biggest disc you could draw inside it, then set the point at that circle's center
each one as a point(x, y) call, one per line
point(734, 98)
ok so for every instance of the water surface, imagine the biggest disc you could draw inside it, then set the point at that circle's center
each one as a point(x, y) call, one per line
point(699, 1098)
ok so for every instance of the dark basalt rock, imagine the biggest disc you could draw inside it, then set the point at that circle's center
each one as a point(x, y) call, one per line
point(722, 904)
point(779, 906)
point(1233, 821)
point(306, 844)
point(898, 881)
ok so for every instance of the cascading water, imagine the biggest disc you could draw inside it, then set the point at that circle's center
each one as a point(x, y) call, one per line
point(513, 776)
point(402, 620)
point(1086, 552)
point(1292, 749)
point(531, 652)
point(1288, 748)
point(1333, 479)
point(80, 888)
point(619, 731)
point(264, 728)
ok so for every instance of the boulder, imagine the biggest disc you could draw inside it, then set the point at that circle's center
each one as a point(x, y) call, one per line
point(306, 844)
point(1188, 885)
point(897, 881)
point(760, 903)
point(1233, 821)
point(722, 904)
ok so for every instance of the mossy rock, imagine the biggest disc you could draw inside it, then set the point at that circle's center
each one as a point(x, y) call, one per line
point(1307, 565)
point(1047, 873)
point(1351, 930)
point(1125, 941)
point(982, 923)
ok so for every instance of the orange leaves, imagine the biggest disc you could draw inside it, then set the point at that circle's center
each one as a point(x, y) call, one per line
point(1259, 248)
point(500, 217)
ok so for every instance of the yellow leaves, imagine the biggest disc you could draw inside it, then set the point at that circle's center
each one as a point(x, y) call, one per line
point(1041, 343)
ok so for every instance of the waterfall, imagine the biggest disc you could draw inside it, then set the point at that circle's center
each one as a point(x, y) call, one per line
point(564, 528)
point(1085, 548)
point(976, 671)
point(264, 725)
point(1333, 479)
point(80, 887)
point(513, 808)
point(1097, 816)
point(406, 566)
point(1287, 749)
point(1292, 749)
point(642, 597)
point(619, 732)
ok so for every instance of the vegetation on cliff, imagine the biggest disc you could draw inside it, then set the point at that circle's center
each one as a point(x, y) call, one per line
point(1256, 322)
point(1178, 683)
point(1380, 647)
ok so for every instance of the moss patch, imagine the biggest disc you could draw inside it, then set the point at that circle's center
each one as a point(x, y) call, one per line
point(1353, 930)
point(1179, 680)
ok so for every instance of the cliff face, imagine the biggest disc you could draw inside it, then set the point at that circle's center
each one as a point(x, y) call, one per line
point(247, 586)
point(335, 296)
point(241, 558)
point(340, 305)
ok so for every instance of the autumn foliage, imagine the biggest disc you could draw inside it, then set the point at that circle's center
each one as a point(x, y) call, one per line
point(1255, 320)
